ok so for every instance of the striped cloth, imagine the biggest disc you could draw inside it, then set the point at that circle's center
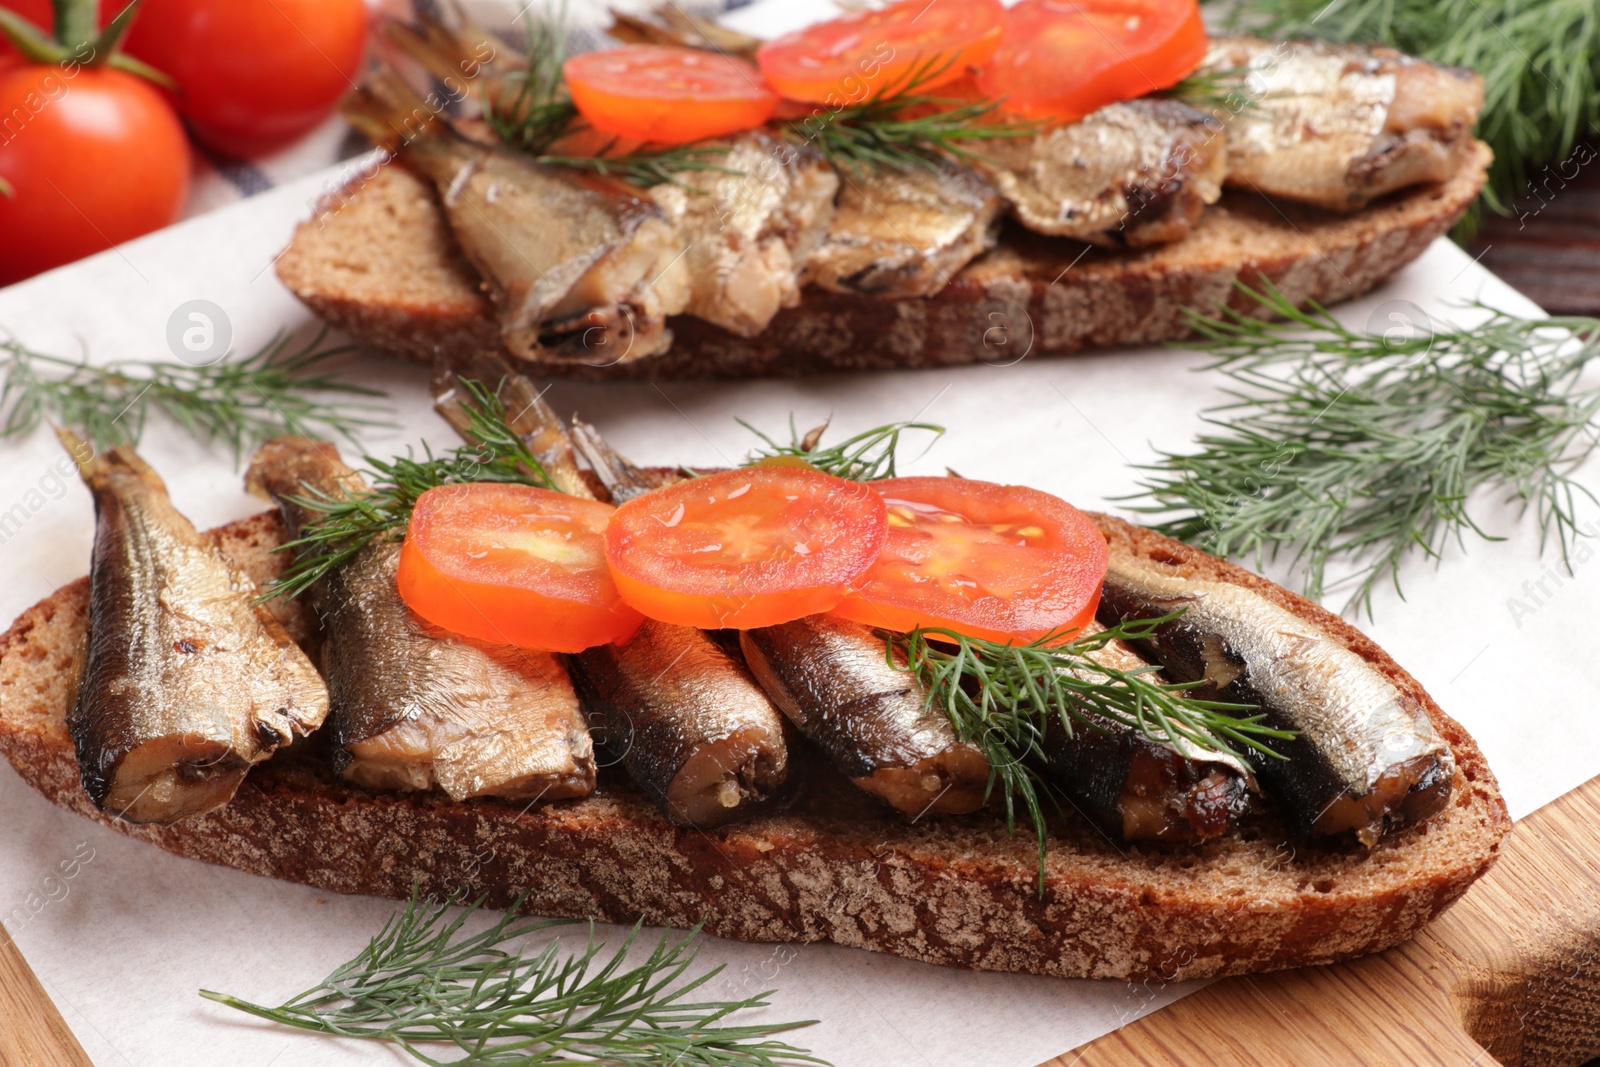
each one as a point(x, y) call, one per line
point(220, 180)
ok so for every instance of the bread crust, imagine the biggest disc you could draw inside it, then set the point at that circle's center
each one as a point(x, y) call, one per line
point(377, 261)
point(954, 890)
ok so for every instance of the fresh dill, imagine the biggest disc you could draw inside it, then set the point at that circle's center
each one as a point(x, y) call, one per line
point(1370, 445)
point(1540, 61)
point(1220, 93)
point(536, 110)
point(533, 112)
point(344, 525)
point(900, 127)
point(647, 166)
point(1004, 697)
point(426, 986)
point(866, 457)
point(281, 388)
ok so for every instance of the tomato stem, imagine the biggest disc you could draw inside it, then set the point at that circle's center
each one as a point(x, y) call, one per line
point(77, 40)
point(75, 22)
point(5, 189)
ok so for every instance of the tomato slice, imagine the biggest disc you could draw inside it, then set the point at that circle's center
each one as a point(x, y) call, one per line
point(744, 548)
point(513, 565)
point(667, 95)
point(845, 60)
point(999, 562)
point(1062, 59)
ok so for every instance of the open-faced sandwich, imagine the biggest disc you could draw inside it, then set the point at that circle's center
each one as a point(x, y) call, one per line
point(904, 187)
point(798, 700)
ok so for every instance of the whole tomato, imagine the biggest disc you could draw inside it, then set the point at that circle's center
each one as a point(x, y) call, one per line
point(94, 157)
point(252, 75)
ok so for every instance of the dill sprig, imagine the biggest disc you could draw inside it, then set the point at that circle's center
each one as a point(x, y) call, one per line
point(1003, 697)
point(537, 110)
point(866, 457)
point(899, 127)
point(425, 986)
point(1219, 93)
point(647, 166)
point(346, 524)
point(1540, 60)
point(241, 402)
point(1369, 447)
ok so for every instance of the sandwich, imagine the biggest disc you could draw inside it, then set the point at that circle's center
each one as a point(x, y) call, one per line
point(935, 214)
point(799, 700)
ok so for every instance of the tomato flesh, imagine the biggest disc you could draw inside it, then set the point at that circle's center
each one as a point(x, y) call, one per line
point(745, 548)
point(1062, 59)
point(667, 95)
point(513, 565)
point(999, 562)
point(94, 157)
point(845, 60)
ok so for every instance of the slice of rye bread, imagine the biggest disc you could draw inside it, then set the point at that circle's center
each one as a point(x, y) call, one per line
point(833, 865)
point(378, 261)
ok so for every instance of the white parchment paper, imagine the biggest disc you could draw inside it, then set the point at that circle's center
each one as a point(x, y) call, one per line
point(122, 935)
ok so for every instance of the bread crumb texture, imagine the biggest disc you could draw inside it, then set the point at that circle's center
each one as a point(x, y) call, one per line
point(831, 866)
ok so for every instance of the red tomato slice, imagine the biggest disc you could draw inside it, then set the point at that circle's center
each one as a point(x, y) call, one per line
point(513, 565)
point(845, 60)
point(744, 548)
point(999, 562)
point(667, 95)
point(1062, 59)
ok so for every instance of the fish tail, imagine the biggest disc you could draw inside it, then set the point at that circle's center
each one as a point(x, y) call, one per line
point(288, 467)
point(95, 466)
point(389, 111)
point(442, 52)
point(622, 479)
point(90, 463)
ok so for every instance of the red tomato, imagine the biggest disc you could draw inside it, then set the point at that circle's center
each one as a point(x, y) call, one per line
point(1062, 59)
point(94, 157)
point(513, 565)
point(845, 60)
point(667, 95)
point(989, 561)
point(253, 75)
point(744, 548)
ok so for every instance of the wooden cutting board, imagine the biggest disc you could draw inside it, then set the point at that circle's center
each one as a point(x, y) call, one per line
point(1510, 975)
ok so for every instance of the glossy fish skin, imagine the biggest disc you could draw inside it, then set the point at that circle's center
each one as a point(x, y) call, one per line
point(413, 706)
point(186, 683)
point(1337, 125)
point(581, 268)
point(693, 729)
point(685, 719)
point(834, 682)
point(900, 233)
point(749, 232)
point(1137, 789)
point(1367, 757)
point(1137, 173)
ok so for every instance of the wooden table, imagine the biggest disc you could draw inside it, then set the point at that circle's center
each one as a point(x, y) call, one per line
point(1509, 975)
point(1550, 247)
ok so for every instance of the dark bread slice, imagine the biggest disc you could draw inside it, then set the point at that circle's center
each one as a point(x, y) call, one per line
point(379, 262)
point(955, 890)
